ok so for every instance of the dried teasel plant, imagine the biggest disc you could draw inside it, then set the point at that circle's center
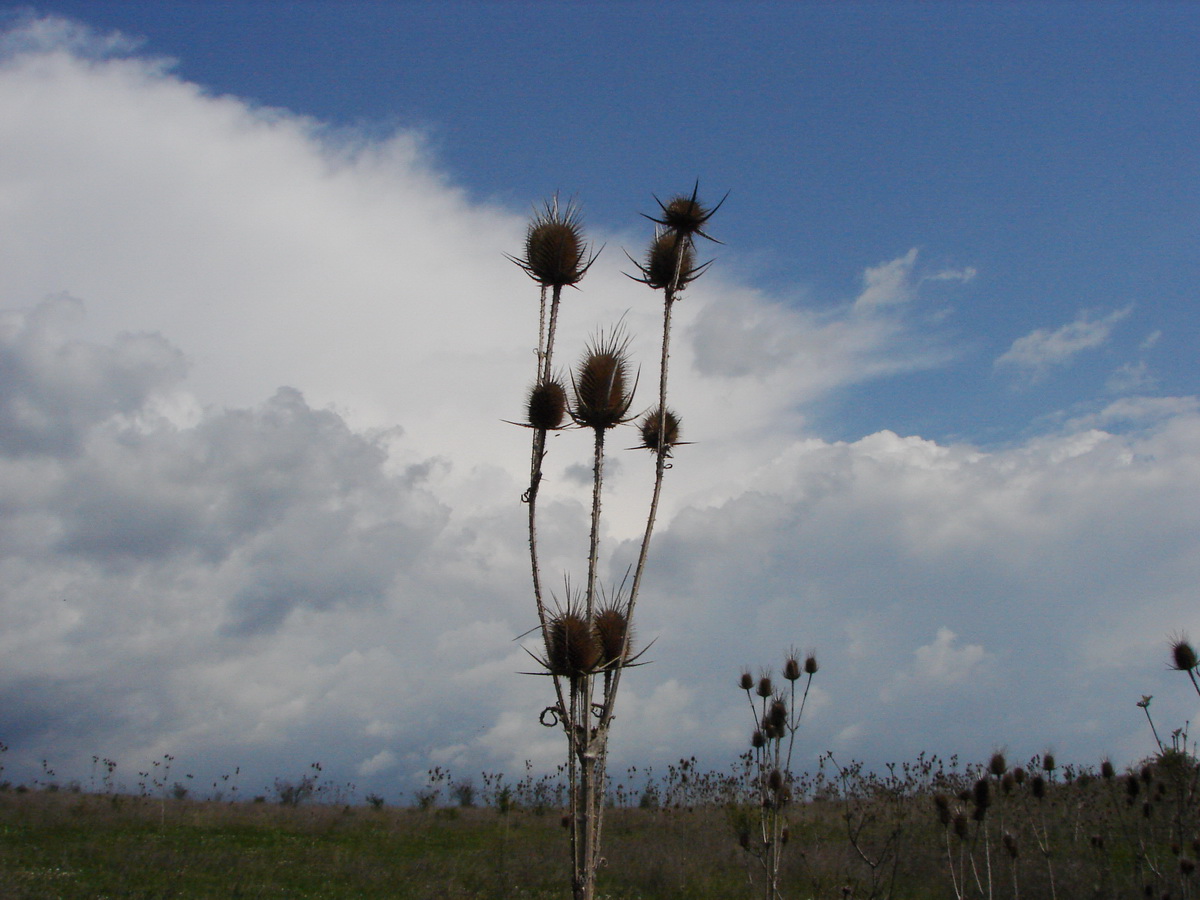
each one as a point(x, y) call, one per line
point(587, 639)
point(777, 710)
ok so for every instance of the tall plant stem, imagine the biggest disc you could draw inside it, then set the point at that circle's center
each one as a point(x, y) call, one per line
point(545, 358)
point(660, 467)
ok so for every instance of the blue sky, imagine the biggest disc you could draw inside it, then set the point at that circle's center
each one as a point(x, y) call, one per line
point(1047, 146)
point(942, 369)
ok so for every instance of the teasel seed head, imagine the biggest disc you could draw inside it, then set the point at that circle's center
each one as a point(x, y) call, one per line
point(610, 625)
point(686, 215)
point(778, 715)
point(1048, 762)
point(746, 681)
point(663, 260)
point(758, 739)
point(1019, 774)
point(1106, 769)
point(555, 252)
point(1183, 655)
point(810, 664)
point(571, 646)
point(791, 668)
point(997, 765)
point(602, 389)
point(547, 407)
point(775, 782)
point(982, 794)
point(765, 689)
point(652, 423)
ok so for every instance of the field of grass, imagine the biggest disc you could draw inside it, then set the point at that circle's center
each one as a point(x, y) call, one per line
point(996, 831)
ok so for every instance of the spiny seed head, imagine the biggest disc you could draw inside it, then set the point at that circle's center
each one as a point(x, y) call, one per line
point(602, 389)
point(1183, 655)
point(778, 714)
point(686, 215)
point(555, 252)
point(758, 739)
point(997, 765)
point(1048, 763)
point(1019, 774)
point(1106, 769)
point(663, 262)
point(765, 688)
point(791, 668)
point(982, 793)
point(746, 681)
point(571, 648)
point(610, 627)
point(810, 664)
point(547, 406)
point(775, 781)
point(653, 424)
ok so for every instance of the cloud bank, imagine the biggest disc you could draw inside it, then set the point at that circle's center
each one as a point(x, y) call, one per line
point(259, 507)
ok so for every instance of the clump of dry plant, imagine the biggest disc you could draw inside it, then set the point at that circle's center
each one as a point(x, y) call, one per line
point(587, 634)
point(763, 830)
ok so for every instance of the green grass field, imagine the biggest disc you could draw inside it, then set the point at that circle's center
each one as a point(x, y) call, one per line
point(1074, 834)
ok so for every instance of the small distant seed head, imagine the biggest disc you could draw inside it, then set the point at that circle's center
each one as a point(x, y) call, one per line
point(775, 781)
point(746, 681)
point(982, 794)
point(1048, 763)
point(1183, 655)
point(758, 739)
point(778, 715)
point(810, 664)
point(1106, 769)
point(765, 688)
point(997, 765)
point(791, 669)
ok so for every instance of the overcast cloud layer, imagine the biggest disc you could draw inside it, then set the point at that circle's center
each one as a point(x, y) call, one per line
point(259, 506)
